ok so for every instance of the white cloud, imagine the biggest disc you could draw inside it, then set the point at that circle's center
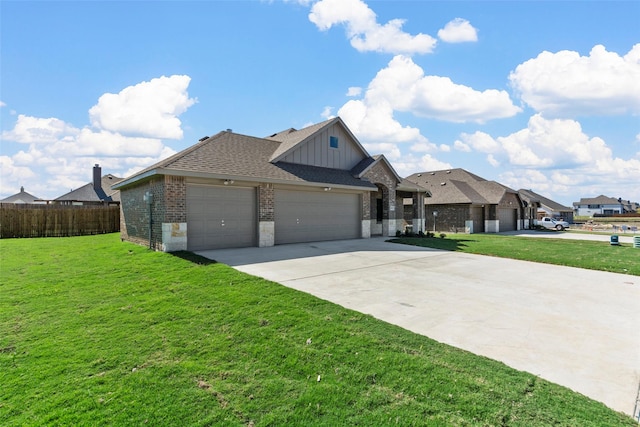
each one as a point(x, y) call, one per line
point(458, 31)
point(479, 141)
point(426, 147)
point(375, 123)
point(148, 109)
point(354, 91)
point(554, 157)
point(2, 104)
point(60, 156)
point(557, 143)
point(461, 146)
point(567, 84)
point(409, 164)
point(363, 30)
point(34, 130)
point(402, 86)
point(493, 161)
point(327, 113)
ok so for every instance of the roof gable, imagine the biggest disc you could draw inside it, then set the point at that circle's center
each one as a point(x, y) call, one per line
point(21, 197)
point(368, 163)
point(229, 155)
point(311, 146)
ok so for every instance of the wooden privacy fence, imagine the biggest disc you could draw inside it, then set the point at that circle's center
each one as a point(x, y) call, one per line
point(26, 220)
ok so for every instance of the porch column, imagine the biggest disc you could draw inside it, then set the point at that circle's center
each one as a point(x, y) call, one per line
point(418, 212)
point(389, 223)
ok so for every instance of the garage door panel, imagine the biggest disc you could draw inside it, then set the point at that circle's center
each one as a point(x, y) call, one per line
point(314, 216)
point(220, 217)
point(507, 218)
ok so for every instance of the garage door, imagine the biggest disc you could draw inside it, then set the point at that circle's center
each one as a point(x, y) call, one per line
point(220, 217)
point(507, 218)
point(302, 216)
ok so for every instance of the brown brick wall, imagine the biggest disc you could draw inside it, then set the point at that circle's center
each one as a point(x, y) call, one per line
point(448, 216)
point(135, 212)
point(366, 205)
point(266, 210)
point(175, 199)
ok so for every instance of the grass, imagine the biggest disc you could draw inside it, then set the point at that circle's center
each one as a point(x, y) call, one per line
point(94, 331)
point(591, 255)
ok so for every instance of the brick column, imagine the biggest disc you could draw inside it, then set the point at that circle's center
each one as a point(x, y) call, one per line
point(174, 223)
point(266, 215)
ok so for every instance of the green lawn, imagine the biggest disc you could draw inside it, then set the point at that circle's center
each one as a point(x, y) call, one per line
point(94, 331)
point(574, 253)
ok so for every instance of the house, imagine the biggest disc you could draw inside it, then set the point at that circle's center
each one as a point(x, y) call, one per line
point(97, 192)
point(233, 190)
point(21, 197)
point(459, 200)
point(544, 207)
point(599, 206)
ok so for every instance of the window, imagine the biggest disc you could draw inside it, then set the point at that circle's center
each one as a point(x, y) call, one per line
point(333, 141)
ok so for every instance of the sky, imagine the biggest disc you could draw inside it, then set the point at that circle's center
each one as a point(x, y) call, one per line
point(540, 95)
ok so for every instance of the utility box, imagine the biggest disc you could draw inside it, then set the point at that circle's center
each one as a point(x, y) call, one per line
point(614, 240)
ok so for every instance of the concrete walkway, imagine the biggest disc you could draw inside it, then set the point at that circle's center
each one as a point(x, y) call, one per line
point(578, 328)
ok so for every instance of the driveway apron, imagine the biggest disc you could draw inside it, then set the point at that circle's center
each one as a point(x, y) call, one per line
point(574, 327)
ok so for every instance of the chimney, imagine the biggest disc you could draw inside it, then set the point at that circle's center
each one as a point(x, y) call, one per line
point(97, 177)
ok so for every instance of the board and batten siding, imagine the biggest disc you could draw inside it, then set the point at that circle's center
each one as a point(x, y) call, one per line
point(316, 151)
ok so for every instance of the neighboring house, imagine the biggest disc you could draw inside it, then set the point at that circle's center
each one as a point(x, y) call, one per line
point(538, 206)
point(459, 200)
point(22, 197)
point(601, 205)
point(97, 192)
point(232, 190)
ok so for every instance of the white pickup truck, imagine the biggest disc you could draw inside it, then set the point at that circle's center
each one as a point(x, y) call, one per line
point(552, 224)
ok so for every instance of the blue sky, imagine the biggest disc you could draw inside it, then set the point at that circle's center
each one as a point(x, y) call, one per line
point(543, 95)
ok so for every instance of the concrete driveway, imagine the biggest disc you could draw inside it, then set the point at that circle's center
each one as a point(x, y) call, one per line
point(575, 327)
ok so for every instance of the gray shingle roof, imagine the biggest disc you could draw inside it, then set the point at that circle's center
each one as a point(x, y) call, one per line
point(21, 197)
point(600, 200)
point(228, 155)
point(529, 196)
point(87, 193)
point(454, 186)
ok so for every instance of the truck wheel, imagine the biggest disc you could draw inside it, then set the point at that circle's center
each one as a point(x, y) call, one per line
point(559, 227)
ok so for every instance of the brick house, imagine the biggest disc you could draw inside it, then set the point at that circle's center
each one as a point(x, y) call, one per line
point(602, 206)
point(539, 206)
point(459, 200)
point(22, 198)
point(232, 190)
point(97, 192)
